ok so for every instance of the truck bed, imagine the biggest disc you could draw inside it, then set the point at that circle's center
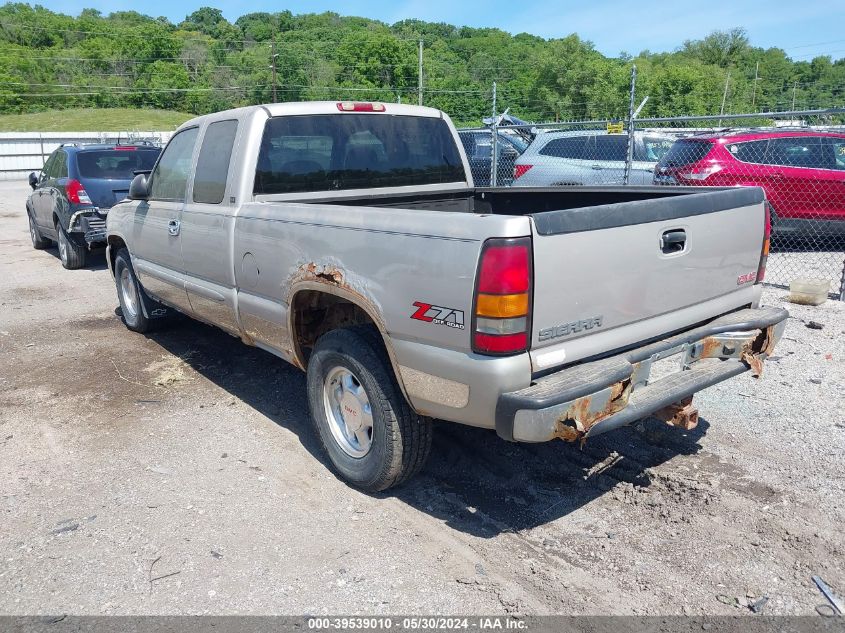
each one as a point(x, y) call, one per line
point(603, 276)
point(513, 201)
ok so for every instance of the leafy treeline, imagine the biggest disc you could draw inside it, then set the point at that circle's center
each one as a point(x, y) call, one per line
point(50, 60)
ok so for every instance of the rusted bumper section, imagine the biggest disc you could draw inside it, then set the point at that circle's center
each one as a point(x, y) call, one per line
point(658, 378)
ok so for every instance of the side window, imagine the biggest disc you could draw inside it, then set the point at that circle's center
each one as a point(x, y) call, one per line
point(652, 148)
point(483, 145)
point(611, 147)
point(838, 145)
point(468, 141)
point(213, 162)
point(60, 166)
point(47, 170)
point(170, 177)
point(567, 147)
point(803, 151)
point(750, 152)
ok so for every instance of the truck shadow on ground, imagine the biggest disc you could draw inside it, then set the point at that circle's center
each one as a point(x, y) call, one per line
point(474, 482)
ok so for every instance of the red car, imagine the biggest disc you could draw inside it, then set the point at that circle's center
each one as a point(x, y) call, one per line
point(802, 173)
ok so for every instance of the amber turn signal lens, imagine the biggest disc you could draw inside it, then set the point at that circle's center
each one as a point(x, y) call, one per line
point(502, 306)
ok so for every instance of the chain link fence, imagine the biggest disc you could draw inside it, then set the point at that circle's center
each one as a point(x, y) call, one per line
point(798, 158)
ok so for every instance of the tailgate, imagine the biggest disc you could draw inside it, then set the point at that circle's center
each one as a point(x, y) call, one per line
point(640, 269)
point(105, 193)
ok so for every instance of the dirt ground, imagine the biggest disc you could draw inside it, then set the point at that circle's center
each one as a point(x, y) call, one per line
point(177, 473)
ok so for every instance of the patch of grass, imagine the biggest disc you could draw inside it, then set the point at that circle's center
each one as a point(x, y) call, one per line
point(170, 370)
point(94, 120)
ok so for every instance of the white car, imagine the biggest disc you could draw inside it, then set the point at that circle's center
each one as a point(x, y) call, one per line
point(589, 157)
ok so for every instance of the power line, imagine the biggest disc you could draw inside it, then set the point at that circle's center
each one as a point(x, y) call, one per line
point(811, 45)
point(169, 30)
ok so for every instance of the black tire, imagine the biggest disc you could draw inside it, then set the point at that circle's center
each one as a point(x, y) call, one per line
point(71, 254)
point(400, 439)
point(132, 310)
point(39, 242)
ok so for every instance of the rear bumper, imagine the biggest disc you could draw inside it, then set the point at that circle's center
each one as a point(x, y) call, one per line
point(594, 397)
point(90, 225)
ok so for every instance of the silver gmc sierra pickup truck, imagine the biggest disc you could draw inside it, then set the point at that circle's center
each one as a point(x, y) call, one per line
point(349, 240)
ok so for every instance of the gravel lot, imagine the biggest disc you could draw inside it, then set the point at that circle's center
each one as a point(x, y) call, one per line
point(176, 473)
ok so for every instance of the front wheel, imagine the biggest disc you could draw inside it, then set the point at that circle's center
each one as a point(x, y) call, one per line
point(129, 294)
point(369, 432)
point(72, 254)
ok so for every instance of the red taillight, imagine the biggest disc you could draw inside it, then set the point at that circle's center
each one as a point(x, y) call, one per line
point(700, 173)
point(357, 106)
point(504, 269)
point(125, 148)
point(502, 307)
point(76, 193)
point(520, 170)
point(501, 343)
point(767, 240)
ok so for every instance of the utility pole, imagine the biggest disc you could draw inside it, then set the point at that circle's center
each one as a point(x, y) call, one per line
point(494, 145)
point(420, 78)
point(274, 55)
point(629, 152)
point(794, 88)
point(724, 97)
point(754, 90)
point(725, 93)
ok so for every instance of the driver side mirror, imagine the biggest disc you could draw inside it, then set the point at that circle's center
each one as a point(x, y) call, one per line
point(33, 180)
point(139, 190)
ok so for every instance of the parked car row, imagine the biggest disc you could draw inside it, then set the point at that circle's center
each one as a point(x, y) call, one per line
point(802, 172)
point(348, 240)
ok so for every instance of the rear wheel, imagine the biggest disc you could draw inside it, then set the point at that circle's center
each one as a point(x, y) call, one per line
point(72, 254)
point(39, 243)
point(369, 432)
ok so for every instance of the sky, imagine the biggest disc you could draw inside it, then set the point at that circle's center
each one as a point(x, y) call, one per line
point(804, 29)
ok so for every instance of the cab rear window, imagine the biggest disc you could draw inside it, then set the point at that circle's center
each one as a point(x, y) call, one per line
point(355, 151)
point(115, 164)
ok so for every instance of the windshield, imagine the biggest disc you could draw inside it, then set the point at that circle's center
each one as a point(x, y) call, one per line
point(115, 164)
point(355, 151)
point(517, 141)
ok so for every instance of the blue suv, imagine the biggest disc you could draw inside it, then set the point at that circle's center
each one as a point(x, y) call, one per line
point(74, 192)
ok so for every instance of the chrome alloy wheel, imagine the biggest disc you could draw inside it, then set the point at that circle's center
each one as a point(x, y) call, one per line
point(129, 294)
point(348, 411)
point(63, 245)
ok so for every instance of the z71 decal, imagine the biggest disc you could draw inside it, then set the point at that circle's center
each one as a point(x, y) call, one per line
point(438, 315)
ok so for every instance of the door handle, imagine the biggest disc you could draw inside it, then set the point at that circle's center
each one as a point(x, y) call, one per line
point(673, 241)
point(173, 227)
point(597, 167)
